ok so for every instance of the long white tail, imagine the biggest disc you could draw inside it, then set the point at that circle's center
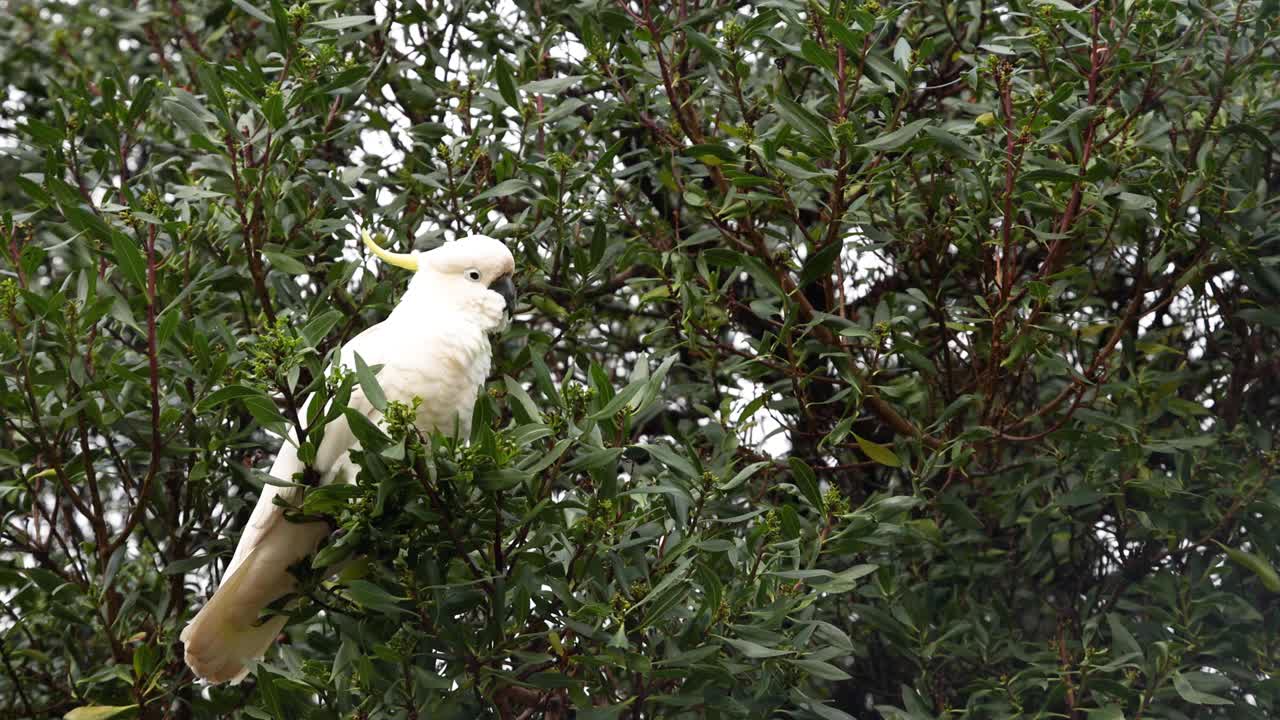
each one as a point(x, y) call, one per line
point(225, 634)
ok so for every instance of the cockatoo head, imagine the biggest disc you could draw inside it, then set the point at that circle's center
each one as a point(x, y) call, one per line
point(471, 276)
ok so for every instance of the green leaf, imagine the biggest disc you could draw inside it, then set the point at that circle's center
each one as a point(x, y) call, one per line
point(653, 386)
point(168, 325)
point(1256, 564)
point(1071, 122)
point(894, 505)
point(130, 260)
point(184, 116)
point(286, 263)
point(830, 713)
point(804, 120)
point(524, 403)
point(374, 597)
point(880, 67)
point(43, 134)
point(803, 574)
point(662, 603)
point(185, 565)
point(877, 452)
point(1122, 640)
point(273, 110)
point(803, 477)
point(369, 384)
point(814, 53)
point(737, 261)
point(506, 83)
point(329, 499)
point(953, 144)
point(896, 139)
point(856, 572)
point(99, 712)
point(90, 222)
point(713, 154)
point(370, 436)
point(743, 475)
point(33, 191)
point(281, 24)
point(502, 479)
point(141, 100)
point(504, 189)
point(264, 412)
point(227, 394)
point(819, 669)
point(670, 459)
point(595, 459)
point(1060, 5)
point(318, 327)
point(622, 398)
point(851, 40)
point(65, 193)
point(253, 11)
point(1133, 201)
point(1049, 175)
point(1194, 696)
point(1263, 316)
point(753, 650)
point(270, 693)
point(211, 83)
point(821, 264)
point(344, 23)
point(552, 86)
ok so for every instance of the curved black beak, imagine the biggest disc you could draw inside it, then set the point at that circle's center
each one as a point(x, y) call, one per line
point(507, 289)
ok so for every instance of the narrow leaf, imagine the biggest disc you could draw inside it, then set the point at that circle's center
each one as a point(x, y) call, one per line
point(506, 83)
point(1255, 563)
point(804, 120)
point(755, 650)
point(897, 138)
point(98, 712)
point(1194, 696)
point(805, 479)
point(129, 259)
point(369, 384)
point(343, 23)
point(877, 452)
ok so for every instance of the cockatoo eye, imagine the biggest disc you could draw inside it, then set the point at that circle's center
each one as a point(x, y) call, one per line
point(473, 274)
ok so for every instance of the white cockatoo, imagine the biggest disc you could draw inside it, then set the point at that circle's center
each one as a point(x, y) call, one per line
point(434, 346)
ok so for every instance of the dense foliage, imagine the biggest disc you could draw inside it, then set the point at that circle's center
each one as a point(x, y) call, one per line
point(886, 360)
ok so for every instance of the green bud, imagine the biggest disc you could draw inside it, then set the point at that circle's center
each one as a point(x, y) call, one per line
point(559, 162)
point(8, 295)
point(401, 418)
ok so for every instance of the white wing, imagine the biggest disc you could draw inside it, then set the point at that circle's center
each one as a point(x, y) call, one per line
point(330, 456)
point(226, 634)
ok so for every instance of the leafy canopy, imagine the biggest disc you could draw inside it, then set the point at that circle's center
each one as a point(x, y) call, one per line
point(877, 360)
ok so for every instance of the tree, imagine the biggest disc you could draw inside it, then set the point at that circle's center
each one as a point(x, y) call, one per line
point(901, 360)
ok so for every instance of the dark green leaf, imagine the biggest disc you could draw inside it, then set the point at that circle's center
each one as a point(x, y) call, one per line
point(1187, 692)
point(130, 260)
point(804, 120)
point(506, 83)
point(896, 139)
point(368, 380)
point(803, 477)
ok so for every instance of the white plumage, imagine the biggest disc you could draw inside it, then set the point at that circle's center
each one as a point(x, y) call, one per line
point(433, 346)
